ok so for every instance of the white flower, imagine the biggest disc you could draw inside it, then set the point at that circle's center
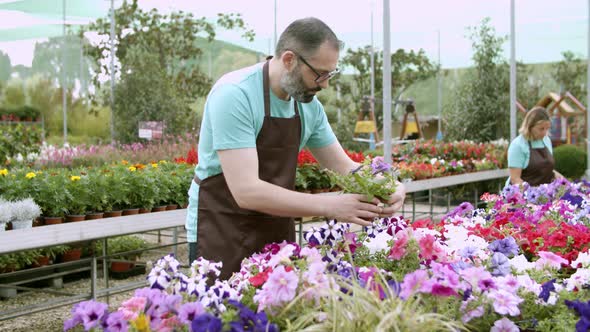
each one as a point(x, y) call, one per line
point(583, 258)
point(378, 243)
point(283, 256)
point(521, 264)
point(580, 278)
point(158, 278)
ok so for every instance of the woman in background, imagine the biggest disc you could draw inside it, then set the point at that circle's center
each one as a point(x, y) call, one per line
point(530, 154)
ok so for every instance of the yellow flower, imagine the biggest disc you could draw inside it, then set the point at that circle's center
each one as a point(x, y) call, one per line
point(163, 162)
point(75, 178)
point(154, 165)
point(3, 172)
point(141, 323)
point(131, 168)
point(30, 175)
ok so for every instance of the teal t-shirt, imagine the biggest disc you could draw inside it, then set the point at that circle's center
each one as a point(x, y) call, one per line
point(519, 151)
point(233, 116)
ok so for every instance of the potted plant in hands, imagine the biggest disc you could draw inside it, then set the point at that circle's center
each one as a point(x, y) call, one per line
point(24, 211)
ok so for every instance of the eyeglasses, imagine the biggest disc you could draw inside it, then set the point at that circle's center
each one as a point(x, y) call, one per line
point(321, 77)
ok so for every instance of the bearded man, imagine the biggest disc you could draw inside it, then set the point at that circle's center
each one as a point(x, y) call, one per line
point(256, 120)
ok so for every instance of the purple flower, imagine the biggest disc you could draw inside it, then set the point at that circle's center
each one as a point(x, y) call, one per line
point(546, 290)
point(379, 165)
point(206, 323)
point(500, 265)
point(573, 199)
point(88, 313)
point(583, 310)
point(251, 321)
point(189, 311)
point(504, 325)
point(506, 246)
point(468, 251)
point(460, 210)
point(115, 322)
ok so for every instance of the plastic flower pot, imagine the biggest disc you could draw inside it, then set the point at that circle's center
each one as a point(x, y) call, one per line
point(75, 217)
point(93, 216)
point(53, 220)
point(129, 212)
point(111, 214)
point(159, 208)
point(22, 224)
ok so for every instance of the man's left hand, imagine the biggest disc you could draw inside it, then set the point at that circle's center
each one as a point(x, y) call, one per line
point(395, 202)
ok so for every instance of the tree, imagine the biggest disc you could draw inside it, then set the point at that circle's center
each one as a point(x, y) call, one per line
point(5, 67)
point(171, 39)
point(48, 60)
point(407, 68)
point(479, 107)
point(570, 74)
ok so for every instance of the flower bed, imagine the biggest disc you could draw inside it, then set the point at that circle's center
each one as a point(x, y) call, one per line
point(415, 161)
point(521, 263)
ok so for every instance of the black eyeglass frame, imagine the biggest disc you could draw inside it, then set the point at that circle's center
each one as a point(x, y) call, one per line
point(321, 77)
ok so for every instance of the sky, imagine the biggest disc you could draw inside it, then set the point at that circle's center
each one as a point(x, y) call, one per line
point(544, 28)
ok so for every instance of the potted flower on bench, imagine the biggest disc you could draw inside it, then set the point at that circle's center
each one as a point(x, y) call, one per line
point(120, 250)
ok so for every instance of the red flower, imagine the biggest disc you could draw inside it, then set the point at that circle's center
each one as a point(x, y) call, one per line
point(259, 279)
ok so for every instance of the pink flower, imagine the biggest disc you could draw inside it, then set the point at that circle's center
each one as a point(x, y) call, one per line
point(504, 325)
point(551, 259)
point(413, 282)
point(505, 303)
point(398, 250)
point(280, 287)
point(132, 307)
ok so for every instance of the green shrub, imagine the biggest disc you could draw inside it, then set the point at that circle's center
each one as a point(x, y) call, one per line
point(570, 161)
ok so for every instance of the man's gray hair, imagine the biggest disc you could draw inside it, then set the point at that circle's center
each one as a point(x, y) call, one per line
point(305, 36)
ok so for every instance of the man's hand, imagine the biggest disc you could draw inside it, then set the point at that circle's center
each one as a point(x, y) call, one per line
point(395, 202)
point(352, 208)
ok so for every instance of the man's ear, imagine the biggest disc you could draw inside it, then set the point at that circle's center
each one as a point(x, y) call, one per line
point(289, 60)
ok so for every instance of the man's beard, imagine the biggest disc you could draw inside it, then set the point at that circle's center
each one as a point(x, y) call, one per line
point(292, 83)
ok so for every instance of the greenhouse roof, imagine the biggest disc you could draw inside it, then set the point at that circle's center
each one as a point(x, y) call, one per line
point(29, 19)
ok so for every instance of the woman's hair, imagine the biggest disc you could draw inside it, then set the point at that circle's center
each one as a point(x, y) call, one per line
point(305, 36)
point(531, 119)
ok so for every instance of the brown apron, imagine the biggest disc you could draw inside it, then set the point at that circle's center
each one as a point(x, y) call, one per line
point(540, 167)
point(228, 233)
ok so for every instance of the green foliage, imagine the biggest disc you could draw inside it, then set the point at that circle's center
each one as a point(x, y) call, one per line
point(157, 55)
point(365, 311)
point(479, 109)
point(570, 161)
point(13, 94)
point(19, 139)
point(123, 244)
point(5, 67)
point(48, 60)
point(570, 74)
point(407, 68)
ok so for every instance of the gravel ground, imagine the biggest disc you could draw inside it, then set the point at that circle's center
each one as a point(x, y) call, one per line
point(52, 320)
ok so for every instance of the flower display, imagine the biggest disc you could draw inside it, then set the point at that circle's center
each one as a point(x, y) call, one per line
point(481, 269)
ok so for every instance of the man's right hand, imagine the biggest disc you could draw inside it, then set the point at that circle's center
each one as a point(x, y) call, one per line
point(352, 208)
